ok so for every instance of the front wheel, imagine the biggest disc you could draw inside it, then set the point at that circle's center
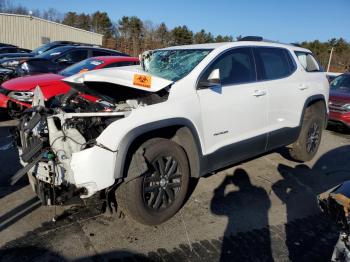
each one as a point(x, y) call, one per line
point(306, 146)
point(157, 195)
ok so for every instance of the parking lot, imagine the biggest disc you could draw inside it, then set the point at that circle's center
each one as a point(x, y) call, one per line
point(263, 209)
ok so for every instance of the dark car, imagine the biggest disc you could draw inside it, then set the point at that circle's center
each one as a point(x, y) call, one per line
point(59, 58)
point(12, 49)
point(3, 45)
point(330, 76)
point(339, 101)
point(11, 60)
point(6, 74)
point(17, 94)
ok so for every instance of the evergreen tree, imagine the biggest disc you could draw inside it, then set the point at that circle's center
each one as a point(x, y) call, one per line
point(181, 35)
point(70, 19)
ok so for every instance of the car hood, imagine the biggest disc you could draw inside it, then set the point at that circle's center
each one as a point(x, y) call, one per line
point(27, 83)
point(339, 95)
point(16, 55)
point(130, 76)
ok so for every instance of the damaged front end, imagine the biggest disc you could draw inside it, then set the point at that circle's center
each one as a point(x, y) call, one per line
point(58, 145)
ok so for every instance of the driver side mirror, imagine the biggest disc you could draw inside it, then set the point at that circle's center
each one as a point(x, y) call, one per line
point(212, 81)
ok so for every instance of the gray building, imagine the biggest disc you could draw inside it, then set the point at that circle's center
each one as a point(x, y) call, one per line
point(31, 32)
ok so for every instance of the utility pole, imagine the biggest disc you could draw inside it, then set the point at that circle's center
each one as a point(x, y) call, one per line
point(330, 59)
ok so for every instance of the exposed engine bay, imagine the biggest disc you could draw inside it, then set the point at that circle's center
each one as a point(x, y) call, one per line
point(48, 137)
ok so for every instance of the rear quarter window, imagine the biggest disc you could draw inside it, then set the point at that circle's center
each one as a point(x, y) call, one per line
point(308, 62)
point(273, 63)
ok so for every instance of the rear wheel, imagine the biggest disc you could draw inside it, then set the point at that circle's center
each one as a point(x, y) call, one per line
point(306, 146)
point(157, 195)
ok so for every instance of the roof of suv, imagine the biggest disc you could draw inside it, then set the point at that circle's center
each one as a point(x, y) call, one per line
point(236, 43)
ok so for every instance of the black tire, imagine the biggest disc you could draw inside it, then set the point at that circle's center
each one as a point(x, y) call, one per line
point(138, 197)
point(306, 146)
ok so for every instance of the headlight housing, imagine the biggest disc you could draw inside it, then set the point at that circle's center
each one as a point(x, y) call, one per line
point(23, 96)
point(346, 107)
point(10, 63)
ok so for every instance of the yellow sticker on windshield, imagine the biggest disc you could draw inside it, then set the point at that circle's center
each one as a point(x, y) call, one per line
point(142, 80)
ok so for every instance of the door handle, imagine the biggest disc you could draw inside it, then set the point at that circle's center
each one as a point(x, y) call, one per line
point(303, 87)
point(259, 92)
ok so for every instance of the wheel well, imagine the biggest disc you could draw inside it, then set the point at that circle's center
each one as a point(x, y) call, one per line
point(180, 134)
point(318, 105)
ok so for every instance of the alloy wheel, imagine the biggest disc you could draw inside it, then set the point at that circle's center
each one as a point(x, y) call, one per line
point(313, 138)
point(162, 184)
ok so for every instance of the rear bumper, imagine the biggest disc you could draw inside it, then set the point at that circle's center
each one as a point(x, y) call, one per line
point(337, 117)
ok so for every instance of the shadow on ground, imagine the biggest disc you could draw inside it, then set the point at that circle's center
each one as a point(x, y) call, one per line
point(31, 253)
point(9, 163)
point(310, 238)
point(339, 129)
point(297, 189)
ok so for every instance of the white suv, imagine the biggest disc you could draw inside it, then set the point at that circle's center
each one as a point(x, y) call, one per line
point(185, 112)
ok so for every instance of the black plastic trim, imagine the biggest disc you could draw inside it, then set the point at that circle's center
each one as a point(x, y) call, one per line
point(282, 137)
point(233, 154)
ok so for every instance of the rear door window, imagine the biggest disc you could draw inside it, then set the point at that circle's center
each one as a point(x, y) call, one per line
point(74, 56)
point(308, 62)
point(273, 63)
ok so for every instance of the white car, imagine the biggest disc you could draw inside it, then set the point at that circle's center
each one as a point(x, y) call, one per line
point(184, 112)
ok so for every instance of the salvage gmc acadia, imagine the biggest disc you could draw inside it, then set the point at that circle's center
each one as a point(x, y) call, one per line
point(184, 112)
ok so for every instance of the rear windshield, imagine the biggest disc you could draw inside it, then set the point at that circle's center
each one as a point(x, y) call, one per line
point(42, 49)
point(173, 64)
point(81, 67)
point(54, 52)
point(341, 82)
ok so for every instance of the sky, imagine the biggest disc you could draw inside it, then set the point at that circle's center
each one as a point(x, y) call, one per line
point(280, 20)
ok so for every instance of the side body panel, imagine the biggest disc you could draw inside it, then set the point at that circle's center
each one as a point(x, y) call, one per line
point(279, 113)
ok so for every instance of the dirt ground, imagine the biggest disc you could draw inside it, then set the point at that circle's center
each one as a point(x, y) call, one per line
point(264, 209)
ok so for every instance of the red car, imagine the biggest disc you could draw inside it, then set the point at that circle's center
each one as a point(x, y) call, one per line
point(339, 100)
point(16, 94)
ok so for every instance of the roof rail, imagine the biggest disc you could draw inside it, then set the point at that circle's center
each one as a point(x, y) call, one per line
point(74, 43)
point(251, 38)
